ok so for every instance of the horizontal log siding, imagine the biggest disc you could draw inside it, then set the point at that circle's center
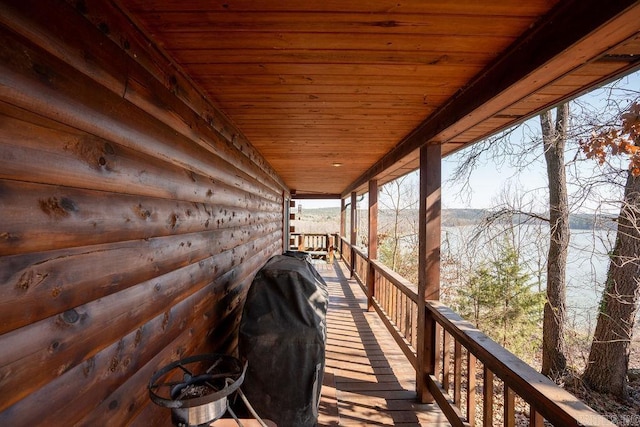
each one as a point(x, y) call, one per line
point(134, 218)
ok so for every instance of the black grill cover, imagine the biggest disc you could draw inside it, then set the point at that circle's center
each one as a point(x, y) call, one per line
point(283, 337)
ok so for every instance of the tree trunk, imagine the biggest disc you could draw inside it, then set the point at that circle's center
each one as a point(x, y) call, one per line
point(553, 343)
point(609, 355)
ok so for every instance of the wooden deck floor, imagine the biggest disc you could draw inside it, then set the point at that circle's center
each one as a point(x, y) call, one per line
point(368, 381)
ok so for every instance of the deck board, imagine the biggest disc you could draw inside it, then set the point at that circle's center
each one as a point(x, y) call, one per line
point(368, 380)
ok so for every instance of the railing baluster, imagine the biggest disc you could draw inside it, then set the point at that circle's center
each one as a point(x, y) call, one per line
point(383, 293)
point(446, 360)
point(414, 324)
point(401, 324)
point(535, 419)
point(387, 298)
point(407, 318)
point(457, 372)
point(364, 265)
point(471, 389)
point(392, 298)
point(385, 301)
point(410, 323)
point(487, 398)
point(437, 363)
point(365, 270)
point(387, 289)
point(396, 303)
point(407, 314)
point(509, 407)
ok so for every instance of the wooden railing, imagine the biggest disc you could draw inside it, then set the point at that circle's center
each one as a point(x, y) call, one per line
point(465, 368)
point(345, 251)
point(361, 266)
point(316, 244)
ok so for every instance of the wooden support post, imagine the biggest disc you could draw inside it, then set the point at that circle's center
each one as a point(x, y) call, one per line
point(286, 229)
point(428, 262)
point(286, 208)
point(343, 214)
point(373, 241)
point(354, 234)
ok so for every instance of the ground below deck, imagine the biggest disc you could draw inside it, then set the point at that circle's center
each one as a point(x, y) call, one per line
point(368, 381)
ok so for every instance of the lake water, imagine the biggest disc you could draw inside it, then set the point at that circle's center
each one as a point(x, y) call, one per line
point(587, 266)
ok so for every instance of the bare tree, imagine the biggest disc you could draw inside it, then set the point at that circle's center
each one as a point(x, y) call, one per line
point(554, 137)
point(608, 363)
point(553, 143)
point(398, 226)
point(609, 356)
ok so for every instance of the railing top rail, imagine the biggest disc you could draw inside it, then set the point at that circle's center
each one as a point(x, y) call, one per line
point(551, 401)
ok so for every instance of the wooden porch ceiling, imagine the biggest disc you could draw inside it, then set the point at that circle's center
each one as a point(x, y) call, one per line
point(365, 83)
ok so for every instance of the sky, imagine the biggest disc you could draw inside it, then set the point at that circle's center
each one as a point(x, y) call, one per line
point(488, 180)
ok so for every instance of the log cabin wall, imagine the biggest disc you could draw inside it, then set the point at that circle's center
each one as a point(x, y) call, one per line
point(134, 217)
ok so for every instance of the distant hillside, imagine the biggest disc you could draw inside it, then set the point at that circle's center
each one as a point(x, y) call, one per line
point(330, 217)
point(458, 217)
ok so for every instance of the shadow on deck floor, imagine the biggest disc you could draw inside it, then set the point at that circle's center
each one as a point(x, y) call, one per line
point(367, 381)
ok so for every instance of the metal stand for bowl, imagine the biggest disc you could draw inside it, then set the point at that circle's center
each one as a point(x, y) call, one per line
point(196, 389)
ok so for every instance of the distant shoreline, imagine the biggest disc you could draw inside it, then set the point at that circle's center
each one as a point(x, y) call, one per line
point(466, 217)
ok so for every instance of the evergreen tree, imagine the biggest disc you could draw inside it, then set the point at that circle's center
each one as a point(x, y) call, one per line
point(501, 301)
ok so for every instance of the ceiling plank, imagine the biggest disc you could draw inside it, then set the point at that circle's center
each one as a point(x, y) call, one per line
point(323, 41)
point(464, 7)
point(216, 55)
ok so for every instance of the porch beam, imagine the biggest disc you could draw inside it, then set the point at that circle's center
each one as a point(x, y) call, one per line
point(373, 241)
point(529, 64)
point(316, 196)
point(429, 222)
